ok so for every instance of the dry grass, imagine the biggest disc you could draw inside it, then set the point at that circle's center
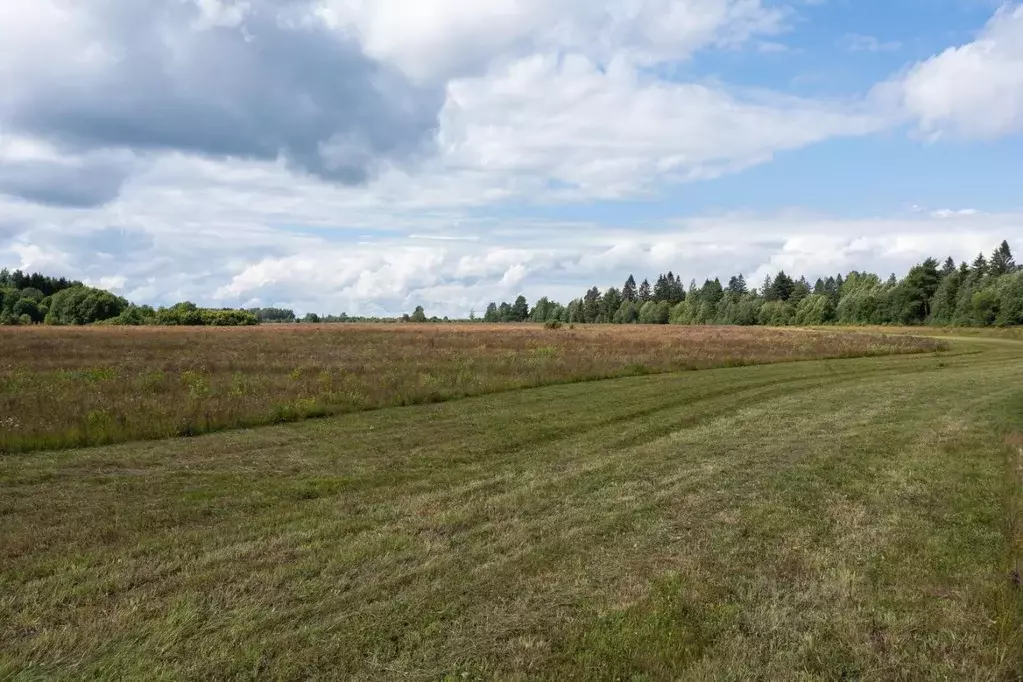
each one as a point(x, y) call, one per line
point(63, 387)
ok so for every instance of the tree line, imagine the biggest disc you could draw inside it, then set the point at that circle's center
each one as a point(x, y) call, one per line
point(32, 299)
point(989, 291)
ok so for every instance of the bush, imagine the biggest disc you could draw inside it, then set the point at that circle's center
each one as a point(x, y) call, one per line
point(83, 305)
point(552, 324)
point(26, 307)
point(227, 318)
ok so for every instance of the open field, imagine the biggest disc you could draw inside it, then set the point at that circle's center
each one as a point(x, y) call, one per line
point(835, 519)
point(62, 387)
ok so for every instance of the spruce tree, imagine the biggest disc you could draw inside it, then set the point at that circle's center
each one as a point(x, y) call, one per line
point(1002, 262)
point(629, 290)
point(660, 292)
point(948, 267)
point(979, 268)
point(644, 292)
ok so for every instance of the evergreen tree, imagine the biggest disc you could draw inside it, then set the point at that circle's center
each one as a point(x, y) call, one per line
point(644, 292)
point(491, 315)
point(676, 292)
point(979, 268)
point(948, 267)
point(800, 290)
point(629, 290)
point(737, 286)
point(711, 291)
point(782, 286)
point(591, 305)
point(911, 301)
point(1002, 262)
point(661, 289)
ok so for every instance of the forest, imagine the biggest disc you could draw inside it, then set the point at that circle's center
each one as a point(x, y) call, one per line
point(986, 292)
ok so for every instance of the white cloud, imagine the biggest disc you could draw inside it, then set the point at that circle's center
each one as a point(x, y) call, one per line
point(975, 90)
point(855, 42)
point(611, 131)
point(441, 39)
point(950, 213)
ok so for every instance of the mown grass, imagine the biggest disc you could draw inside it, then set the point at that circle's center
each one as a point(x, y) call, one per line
point(846, 519)
point(62, 387)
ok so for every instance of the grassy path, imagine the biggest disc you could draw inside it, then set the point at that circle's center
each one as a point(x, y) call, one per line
point(814, 520)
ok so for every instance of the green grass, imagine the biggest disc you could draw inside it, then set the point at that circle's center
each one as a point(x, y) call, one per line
point(814, 520)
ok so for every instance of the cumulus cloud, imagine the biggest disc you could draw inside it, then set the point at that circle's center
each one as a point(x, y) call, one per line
point(611, 131)
point(39, 173)
point(974, 90)
point(443, 39)
point(256, 79)
point(75, 182)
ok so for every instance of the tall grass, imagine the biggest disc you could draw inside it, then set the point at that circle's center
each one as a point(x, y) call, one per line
point(62, 387)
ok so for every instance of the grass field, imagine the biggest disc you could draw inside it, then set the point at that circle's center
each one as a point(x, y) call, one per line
point(64, 387)
point(829, 519)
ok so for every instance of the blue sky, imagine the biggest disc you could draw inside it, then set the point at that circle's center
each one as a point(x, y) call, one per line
point(337, 155)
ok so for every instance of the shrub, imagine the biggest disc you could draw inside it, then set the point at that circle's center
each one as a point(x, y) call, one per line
point(83, 305)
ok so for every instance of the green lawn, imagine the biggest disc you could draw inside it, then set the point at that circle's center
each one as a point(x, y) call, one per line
point(814, 520)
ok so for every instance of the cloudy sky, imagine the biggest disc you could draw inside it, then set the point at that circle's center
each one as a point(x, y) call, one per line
point(372, 155)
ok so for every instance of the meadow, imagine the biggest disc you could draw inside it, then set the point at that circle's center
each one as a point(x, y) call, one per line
point(851, 518)
point(69, 387)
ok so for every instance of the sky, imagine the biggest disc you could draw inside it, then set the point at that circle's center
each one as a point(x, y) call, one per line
point(369, 156)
